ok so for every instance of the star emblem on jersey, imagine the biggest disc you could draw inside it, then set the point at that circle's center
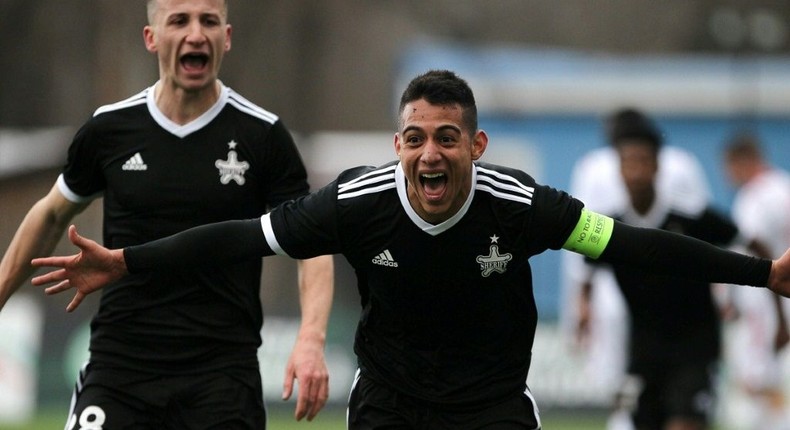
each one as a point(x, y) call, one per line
point(232, 169)
point(494, 261)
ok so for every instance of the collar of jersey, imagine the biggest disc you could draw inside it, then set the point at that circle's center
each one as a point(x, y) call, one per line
point(192, 126)
point(433, 230)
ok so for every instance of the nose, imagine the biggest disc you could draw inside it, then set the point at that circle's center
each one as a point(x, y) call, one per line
point(195, 32)
point(430, 152)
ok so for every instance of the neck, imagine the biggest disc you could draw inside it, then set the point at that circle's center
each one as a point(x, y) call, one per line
point(182, 106)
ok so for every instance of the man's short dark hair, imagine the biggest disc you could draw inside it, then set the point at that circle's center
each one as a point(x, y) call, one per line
point(743, 144)
point(629, 123)
point(442, 87)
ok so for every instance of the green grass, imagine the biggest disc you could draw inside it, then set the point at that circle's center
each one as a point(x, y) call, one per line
point(329, 419)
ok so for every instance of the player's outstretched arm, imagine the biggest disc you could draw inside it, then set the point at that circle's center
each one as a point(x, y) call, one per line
point(92, 268)
point(779, 278)
point(660, 251)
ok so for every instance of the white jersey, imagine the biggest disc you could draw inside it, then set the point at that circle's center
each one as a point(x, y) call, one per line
point(760, 209)
point(679, 174)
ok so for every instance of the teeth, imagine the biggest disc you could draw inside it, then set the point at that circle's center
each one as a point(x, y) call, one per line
point(432, 175)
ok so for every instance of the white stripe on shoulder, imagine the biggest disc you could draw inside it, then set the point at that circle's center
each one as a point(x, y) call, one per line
point(369, 183)
point(134, 100)
point(503, 186)
point(246, 106)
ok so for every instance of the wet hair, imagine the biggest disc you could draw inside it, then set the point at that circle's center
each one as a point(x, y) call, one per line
point(442, 87)
point(629, 123)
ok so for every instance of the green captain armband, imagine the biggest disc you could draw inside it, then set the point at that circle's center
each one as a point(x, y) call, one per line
point(591, 235)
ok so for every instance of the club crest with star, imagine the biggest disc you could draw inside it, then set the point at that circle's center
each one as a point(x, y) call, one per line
point(232, 169)
point(494, 261)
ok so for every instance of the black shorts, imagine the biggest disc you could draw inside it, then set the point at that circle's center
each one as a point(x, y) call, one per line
point(678, 391)
point(374, 406)
point(111, 399)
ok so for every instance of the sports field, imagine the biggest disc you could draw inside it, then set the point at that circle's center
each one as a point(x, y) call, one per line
point(333, 419)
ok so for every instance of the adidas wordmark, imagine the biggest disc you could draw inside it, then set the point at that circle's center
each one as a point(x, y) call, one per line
point(385, 259)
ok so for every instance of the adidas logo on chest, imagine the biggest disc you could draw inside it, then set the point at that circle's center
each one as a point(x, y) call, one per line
point(135, 163)
point(385, 259)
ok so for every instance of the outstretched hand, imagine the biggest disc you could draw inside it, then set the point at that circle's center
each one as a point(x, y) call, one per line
point(92, 268)
point(779, 279)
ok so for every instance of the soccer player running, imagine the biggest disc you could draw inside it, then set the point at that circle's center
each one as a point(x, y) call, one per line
point(674, 343)
point(440, 242)
point(178, 348)
point(604, 333)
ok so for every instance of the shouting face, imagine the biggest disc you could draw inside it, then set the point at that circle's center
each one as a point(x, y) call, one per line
point(190, 38)
point(436, 151)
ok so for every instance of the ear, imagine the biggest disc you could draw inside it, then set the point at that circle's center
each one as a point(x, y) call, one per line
point(149, 39)
point(397, 144)
point(228, 33)
point(479, 144)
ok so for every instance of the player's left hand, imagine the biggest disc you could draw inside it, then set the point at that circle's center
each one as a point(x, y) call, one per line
point(307, 365)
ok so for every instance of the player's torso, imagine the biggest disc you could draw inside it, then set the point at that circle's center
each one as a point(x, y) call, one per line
point(474, 269)
point(159, 181)
point(668, 310)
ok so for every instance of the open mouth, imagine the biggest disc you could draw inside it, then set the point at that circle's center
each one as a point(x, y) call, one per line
point(194, 61)
point(433, 184)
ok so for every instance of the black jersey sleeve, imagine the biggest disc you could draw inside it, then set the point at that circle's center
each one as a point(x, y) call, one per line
point(556, 214)
point(661, 251)
point(308, 227)
point(715, 228)
point(285, 170)
point(82, 172)
point(217, 243)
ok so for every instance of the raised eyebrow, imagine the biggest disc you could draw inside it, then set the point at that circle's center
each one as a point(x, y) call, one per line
point(411, 128)
point(439, 129)
point(454, 128)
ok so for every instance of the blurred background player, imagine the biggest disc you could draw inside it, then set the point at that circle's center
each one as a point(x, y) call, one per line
point(760, 209)
point(674, 343)
point(596, 180)
point(179, 349)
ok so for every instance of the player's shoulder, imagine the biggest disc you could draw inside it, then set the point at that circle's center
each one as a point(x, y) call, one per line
point(677, 156)
point(503, 172)
point(366, 180)
point(771, 185)
point(139, 99)
point(504, 182)
point(246, 107)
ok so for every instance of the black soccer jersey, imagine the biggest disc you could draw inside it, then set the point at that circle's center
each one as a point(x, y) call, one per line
point(673, 318)
point(158, 178)
point(448, 313)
